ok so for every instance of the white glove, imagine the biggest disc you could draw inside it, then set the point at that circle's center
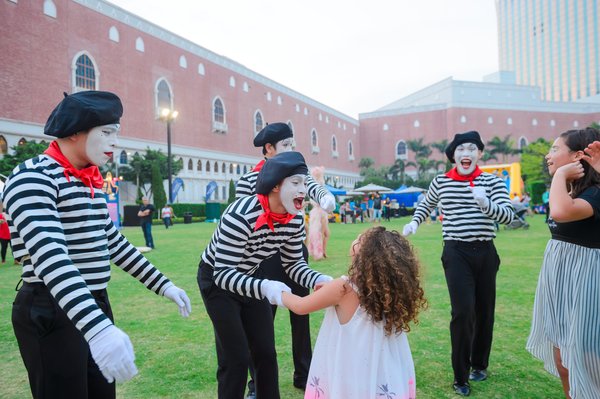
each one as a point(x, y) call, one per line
point(323, 278)
point(327, 203)
point(113, 353)
point(272, 290)
point(480, 196)
point(179, 296)
point(410, 228)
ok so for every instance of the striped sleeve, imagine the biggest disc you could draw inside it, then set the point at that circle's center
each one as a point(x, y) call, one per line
point(294, 264)
point(30, 197)
point(128, 258)
point(316, 191)
point(500, 208)
point(246, 185)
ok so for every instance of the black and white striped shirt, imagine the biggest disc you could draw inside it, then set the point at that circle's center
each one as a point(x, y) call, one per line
point(236, 251)
point(247, 186)
point(464, 220)
point(66, 240)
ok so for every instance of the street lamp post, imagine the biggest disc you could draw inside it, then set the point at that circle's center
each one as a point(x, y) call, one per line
point(168, 116)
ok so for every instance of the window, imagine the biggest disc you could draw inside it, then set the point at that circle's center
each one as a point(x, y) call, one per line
point(245, 87)
point(417, 123)
point(223, 168)
point(190, 165)
point(85, 73)
point(238, 169)
point(490, 120)
point(463, 119)
point(509, 121)
point(22, 141)
point(231, 81)
point(314, 140)
point(123, 158)
point(269, 96)
point(219, 124)
point(163, 97)
point(230, 168)
point(50, 8)
point(201, 70)
point(401, 150)
point(523, 142)
point(258, 122)
point(113, 34)
point(139, 44)
point(223, 192)
point(534, 122)
point(199, 166)
point(183, 61)
point(3, 146)
point(216, 168)
point(334, 151)
point(207, 166)
point(289, 123)
point(552, 122)
point(297, 108)
point(576, 124)
point(305, 111)
point(279, 100)
point(386, 127)
point(245, 169)
point(350, 150)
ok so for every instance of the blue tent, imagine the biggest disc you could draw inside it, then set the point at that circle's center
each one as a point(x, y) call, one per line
point(335, 191)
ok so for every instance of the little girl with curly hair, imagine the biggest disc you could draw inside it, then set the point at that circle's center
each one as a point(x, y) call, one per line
point(362, 350)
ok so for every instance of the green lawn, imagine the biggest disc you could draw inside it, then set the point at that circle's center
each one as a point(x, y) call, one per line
point(176, 357)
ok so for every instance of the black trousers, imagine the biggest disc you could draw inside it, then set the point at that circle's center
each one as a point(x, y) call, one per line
point(243, 329)
point(56, 356)
point(470, 270)
point(3, 247)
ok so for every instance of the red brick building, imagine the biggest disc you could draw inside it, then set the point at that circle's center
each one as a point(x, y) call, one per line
point(54, 46)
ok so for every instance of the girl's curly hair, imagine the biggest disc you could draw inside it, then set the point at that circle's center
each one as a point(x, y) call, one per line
point(386, 273)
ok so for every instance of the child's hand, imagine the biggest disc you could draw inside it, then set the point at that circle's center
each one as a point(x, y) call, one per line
point(592, 155)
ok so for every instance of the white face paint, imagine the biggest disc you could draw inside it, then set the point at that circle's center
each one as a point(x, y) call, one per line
point(101, 142)
point(285, 145)
point(292, 193)
point(466, 156)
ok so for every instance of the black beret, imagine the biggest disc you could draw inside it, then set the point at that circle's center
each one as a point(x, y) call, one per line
point(461, 138)
point(279, 167)
point(272, 133)
point(81, 111)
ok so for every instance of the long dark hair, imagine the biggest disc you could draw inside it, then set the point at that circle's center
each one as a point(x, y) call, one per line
point(578, 140)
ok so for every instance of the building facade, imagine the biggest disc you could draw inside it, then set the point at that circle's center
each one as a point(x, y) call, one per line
point(53, 46)
point(553, 44)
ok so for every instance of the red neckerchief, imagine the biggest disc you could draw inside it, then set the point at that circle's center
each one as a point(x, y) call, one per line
point(267, 217)
point(258, 166)
point(90, 176)
point(453, 174)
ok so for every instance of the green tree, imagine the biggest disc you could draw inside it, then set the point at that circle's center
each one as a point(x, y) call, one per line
point(231, 192)
point(533, 161)
point(21, 153)
point(139, 168)
point(420, 149)
point(441, 147)
point(503, 147)
point(158, 190)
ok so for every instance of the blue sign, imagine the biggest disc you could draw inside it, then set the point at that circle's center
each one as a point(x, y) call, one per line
point(175, 187)
point(210, 188)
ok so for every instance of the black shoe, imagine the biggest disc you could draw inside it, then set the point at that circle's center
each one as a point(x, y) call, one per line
point(300, 384)
point(251, 395)
point(478, 375)
point(462, 390)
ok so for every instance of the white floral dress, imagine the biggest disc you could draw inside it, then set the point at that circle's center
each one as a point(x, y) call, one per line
point(356, 360)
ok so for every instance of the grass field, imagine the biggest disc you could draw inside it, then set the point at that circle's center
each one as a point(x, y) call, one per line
point(176, 357)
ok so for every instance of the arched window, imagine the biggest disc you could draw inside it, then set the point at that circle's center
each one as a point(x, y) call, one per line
point(216, 168)
point(22, 141)
point(123, 158)
point(201, 70)
point(350, 150)
point(190, 165)
point(258, 122)
point(50, 8)
point(163, 96)
point(84, 73)
point(230, 168)
point(199, 166)
point(183, 61)
point(314, 141)
point(113, 34)
point(139, 44)
point(231, 81)
point(207, 166)
point(333, 144)
point(3, 146)
point(238, 169)
point(523, 142)
point(245, 169)
point(401, 152)
point(223, 168)
point(245, 87)
point(218, 111)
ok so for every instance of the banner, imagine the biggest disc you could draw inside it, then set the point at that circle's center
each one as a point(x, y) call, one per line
point(176, 185)
point(212, 186)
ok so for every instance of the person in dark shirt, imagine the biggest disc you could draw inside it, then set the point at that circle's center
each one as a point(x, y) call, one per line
point(145, 214)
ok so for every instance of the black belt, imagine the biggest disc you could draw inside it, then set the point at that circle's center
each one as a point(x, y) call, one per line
point(478, 243)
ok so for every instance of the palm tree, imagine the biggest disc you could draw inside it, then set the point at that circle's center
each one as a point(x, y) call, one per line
point(397, 169)
point(441, 147)
point(420, 149)
point(504, 147)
